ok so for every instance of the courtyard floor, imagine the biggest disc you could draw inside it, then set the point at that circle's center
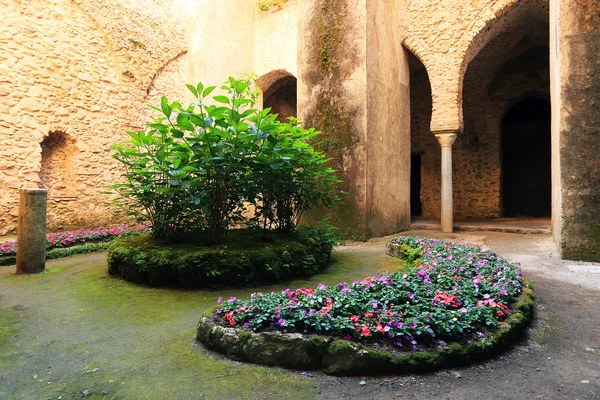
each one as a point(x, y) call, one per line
point(74, 332)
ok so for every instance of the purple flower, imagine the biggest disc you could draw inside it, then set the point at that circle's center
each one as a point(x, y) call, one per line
point(281, 322)
point(463, 310)
point(410, 295)
point(421, 272)
point(219, 300)
point(322, 287)
point(374, 304)
point(413, 325)
point(480, 334)
point(231, 300)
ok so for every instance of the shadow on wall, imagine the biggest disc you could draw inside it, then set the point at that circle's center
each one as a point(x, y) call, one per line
point(526, 159)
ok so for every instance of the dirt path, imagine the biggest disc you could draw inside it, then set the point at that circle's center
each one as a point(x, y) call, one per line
point(560, 358)
point(73, 332)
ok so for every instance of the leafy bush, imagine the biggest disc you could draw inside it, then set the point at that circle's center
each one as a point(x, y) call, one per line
point(248, 260)
point(197, 167)
point(456, 293)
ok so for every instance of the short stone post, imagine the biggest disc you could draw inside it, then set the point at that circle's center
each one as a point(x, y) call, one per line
point(31, 231)
point(446, 140)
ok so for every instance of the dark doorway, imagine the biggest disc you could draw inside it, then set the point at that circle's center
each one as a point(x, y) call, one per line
point(526, 157)
point(415, 185)
point(282, 98)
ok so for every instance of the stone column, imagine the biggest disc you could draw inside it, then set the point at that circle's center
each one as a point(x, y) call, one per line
point(446, 140)
point(31, 231)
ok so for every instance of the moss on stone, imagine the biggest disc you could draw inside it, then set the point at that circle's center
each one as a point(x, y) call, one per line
point(341, 357)
point(142, 259)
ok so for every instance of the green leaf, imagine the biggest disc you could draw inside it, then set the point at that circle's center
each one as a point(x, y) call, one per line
point(193, 90)
point(208, 90)
point(176, 133)
point(221, 99)
point(165, 107)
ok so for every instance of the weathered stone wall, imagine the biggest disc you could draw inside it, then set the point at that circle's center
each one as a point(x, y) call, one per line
point(576, 88)
point(82, 68)
point(276, 40)
point(220, 36)
point(388, 122)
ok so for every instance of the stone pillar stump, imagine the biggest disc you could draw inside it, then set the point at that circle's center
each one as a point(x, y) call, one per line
point(31, 231)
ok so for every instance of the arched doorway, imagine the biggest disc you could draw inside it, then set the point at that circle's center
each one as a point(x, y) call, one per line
point(282, 98)
point(511, 66)
point(424, 149)
point(526, 158)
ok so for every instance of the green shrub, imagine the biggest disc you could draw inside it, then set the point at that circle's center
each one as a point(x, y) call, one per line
point(195, 168)
point(249, 260)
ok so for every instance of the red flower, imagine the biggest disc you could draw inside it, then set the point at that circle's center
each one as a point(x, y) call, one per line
point(365, 331)
point(354, 318)
point(327, 308)
point(368, 315)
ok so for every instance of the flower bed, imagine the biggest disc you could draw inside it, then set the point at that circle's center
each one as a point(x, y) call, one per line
point(77, 242)
point(452, 294)
point(245, 259)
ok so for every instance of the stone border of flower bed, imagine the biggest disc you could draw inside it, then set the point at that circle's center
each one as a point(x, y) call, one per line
point(138, 259)
point(342, 357)
point(54, 254)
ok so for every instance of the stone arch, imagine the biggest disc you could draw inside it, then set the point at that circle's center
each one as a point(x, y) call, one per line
point(280, 93)
point(165, 69)
point(167, 81)
point(418, 48)
point(58, 168)
point(425, 151)
point(488, 24)
point(506, 61)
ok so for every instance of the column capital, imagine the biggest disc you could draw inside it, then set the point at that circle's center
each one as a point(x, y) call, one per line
point(445, 139)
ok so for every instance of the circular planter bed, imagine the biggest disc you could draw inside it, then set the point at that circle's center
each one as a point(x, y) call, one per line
point(452, 305)
point(244, 259)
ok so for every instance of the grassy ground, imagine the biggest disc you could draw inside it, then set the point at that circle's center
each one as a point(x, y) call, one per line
point(73, 330)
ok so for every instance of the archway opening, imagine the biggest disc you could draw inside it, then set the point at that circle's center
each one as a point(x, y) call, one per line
point(425, 151)
point(526, 159)
point(513, 65)
point(57, 170)
point(282, 98)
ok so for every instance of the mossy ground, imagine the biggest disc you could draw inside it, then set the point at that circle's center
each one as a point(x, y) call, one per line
point(74, 318)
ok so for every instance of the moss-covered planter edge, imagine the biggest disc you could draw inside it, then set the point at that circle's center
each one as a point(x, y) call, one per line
point(342, 357)
point(140, 261)
point(61, 252)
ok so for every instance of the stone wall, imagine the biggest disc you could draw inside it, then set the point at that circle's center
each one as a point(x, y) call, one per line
point(332, 97)
point(576, 90)
point(388, 122)
point(82, 68)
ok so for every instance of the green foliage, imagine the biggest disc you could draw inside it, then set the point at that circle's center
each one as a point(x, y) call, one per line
point(247, 260)
point(196, 168)
point(455, 293)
